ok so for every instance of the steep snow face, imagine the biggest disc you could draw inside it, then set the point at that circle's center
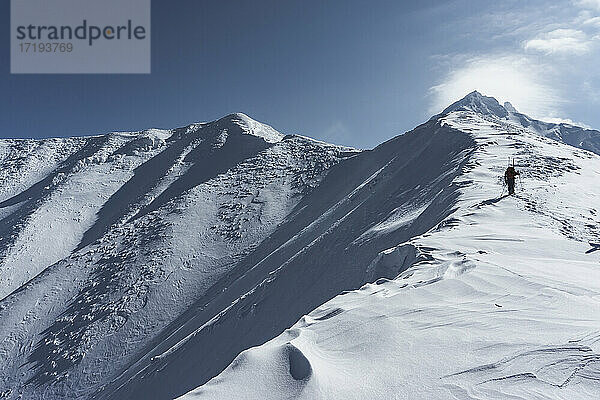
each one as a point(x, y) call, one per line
point(107, 240)
point(81, 186)
point(323, 246)
point(204, 242)
point(57, 185)
point(499, 300)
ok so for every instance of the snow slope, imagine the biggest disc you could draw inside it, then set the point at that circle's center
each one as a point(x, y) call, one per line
point(500, 300)
point(107, 240)
point(319, 250)
point(140, 265)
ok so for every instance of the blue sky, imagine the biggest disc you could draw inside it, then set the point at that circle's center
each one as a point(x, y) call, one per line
point(346, 71)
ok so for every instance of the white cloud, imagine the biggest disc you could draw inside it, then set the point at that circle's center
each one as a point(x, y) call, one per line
point(595, 4)
point(560, 41)
point(594, 21)
point(525, 84)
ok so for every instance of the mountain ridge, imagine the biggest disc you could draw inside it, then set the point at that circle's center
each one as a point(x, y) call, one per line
point(571, 134)
point(497, 301)
point(140, 259)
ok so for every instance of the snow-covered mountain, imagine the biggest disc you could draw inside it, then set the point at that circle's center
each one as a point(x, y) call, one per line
point(499, 300)
point(141, 265)
point(587, 139)
point(106, 242)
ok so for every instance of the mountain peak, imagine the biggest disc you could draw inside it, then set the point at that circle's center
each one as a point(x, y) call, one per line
point(573, 135)
point(250, 126)
point(510, 108)
point(478, 103)
point(474, 94)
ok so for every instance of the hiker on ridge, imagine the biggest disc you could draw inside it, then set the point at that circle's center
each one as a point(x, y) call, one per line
point(509, 178)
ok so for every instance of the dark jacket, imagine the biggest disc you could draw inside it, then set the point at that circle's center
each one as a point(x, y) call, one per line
point(510, 174)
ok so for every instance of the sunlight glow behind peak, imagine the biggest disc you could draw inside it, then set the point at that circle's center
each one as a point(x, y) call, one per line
point(506, 79)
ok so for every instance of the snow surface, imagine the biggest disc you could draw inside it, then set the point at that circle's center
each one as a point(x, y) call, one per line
point(315, 253)
point(107, 240)
point(501, 300)
point(151, 264)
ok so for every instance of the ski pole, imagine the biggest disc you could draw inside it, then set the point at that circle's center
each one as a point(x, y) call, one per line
point(520, 182)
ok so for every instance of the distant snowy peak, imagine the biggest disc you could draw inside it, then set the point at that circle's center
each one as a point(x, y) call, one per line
point(576, 136)
point(480, 104)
